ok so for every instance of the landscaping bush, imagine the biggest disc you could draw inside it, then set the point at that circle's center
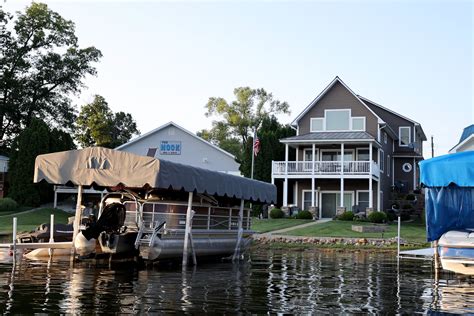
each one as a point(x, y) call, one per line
point(304, 215)
point(277, 213)
point(410, 197)
point(346, 216)
point(8, 205)
point(377, 217)
point(391, 216)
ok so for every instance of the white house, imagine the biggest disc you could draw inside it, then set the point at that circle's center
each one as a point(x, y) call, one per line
point(466, 142)
point(174, 143)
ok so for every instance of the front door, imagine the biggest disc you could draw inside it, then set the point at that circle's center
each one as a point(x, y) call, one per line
point(330, 201)
point(328, 205)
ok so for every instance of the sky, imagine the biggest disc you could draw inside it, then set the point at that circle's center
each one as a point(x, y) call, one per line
point(163, 60)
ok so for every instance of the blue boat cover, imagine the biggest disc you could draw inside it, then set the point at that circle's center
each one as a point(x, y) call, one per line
point(449, 194)
point(448, 169)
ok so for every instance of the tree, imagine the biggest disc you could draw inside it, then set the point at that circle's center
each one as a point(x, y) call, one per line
point(97, 125)
point(35, 140)
point(41, 66)
point(238, 118)
point(269, 133)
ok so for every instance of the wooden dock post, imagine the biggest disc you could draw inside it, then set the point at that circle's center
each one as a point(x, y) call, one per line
point(398, 237)
point(77, 219)
point(51, 233)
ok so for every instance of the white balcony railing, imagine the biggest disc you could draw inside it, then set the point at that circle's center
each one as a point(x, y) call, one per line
point(324, 167)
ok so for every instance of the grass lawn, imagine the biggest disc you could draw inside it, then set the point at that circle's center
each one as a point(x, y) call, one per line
point(19, 209)
point(413, 232)
point(29, 221)
point(267, 225)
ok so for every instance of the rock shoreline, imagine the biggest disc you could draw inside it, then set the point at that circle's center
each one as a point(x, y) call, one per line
point(326, 241)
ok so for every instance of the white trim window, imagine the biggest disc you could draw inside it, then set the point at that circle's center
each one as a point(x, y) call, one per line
point(337, 120)
point(358, 123)
point(317, 124)
point(388, 165)
point(385, 137)
point(404, 136)
point(381, 160)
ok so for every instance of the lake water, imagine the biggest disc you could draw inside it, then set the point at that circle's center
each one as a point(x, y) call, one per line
point(301, 282)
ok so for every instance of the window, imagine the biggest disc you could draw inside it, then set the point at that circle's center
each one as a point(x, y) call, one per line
point(151, 152)
point(363, 155)
point(317, 124)
point(385, 137)
point(388, 165)
point(337, 120)
point(307, 199)
point(404, 136)
point(381, 160)
point(336, 155)
point(308, 154)
point(358, 123)
point(362, 200)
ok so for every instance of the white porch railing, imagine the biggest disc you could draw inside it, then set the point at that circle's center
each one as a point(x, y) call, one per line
point(324, 167)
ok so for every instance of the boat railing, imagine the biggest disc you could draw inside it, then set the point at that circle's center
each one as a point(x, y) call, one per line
point(205, 217)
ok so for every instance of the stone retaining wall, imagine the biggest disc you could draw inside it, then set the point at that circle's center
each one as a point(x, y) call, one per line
point(378, 242)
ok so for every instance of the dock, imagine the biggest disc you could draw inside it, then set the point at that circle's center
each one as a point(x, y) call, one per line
point(418, 254)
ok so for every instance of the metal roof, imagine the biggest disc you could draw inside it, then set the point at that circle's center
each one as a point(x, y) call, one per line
point(468, 132)
point(330, 136)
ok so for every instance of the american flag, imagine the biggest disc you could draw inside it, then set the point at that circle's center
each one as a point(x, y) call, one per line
point(256, 144)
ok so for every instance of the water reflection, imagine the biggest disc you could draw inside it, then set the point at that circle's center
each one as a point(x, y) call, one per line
point(270, 280)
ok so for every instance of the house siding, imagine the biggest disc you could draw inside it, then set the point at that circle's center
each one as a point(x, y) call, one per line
point(395, 121)
point(194, 152)
point(338, 97)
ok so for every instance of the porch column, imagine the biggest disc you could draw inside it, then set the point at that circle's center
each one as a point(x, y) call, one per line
point(414, 174)
point(371, 194)
point(341, 200)
point(273, 172)
point(313, 154)
point(295, 202)
point(285, 183)
point(297, 152)
point(378, 196)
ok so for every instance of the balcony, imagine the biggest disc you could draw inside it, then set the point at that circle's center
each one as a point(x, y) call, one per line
point(324, 168)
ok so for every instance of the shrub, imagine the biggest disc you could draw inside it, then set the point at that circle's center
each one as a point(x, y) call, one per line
point(410, 197)
point(346, 216)
point(304, 215)
point(8, 205)
point(391, 216)
point(407, 207)
point(377, 217)
point(277, 213)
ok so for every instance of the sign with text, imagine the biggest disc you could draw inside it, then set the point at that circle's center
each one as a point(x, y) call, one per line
point(170, 148)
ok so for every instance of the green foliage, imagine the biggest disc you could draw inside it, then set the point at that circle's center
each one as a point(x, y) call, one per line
point(99, 126)
point(391, 216)
point(35, 140)
point(304, 215)
point(410, 197)
point(42, 67)
point(407, 207)
point(346, 216)
point(277, 213)
point(8, 205)
point(377, 217)
point(233, 132)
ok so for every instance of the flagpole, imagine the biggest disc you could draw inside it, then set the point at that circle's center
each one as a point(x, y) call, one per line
point(253, 153)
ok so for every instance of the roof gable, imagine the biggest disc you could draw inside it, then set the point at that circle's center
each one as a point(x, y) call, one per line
point(324, 92)
point(162, 127)
point(375, 105)
point(466, 136)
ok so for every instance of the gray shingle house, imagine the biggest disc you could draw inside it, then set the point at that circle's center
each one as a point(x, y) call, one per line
point(380, 149)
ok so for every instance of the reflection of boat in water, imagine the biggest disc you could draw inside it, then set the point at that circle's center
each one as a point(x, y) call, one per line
point(161, 209)
point(456, 250)
point(449, 183)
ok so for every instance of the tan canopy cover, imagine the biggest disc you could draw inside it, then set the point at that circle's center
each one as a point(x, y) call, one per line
point(108, 168)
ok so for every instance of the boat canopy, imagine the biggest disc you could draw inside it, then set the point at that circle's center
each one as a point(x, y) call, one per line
point(449, 194)
point(110, 168)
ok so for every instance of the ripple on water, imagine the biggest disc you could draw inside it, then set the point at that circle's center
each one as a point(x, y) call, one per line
point(270, 280)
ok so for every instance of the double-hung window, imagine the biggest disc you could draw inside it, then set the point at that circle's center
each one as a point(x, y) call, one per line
point(404, 135)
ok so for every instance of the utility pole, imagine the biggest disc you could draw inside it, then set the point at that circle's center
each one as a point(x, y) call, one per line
point(432, 146)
